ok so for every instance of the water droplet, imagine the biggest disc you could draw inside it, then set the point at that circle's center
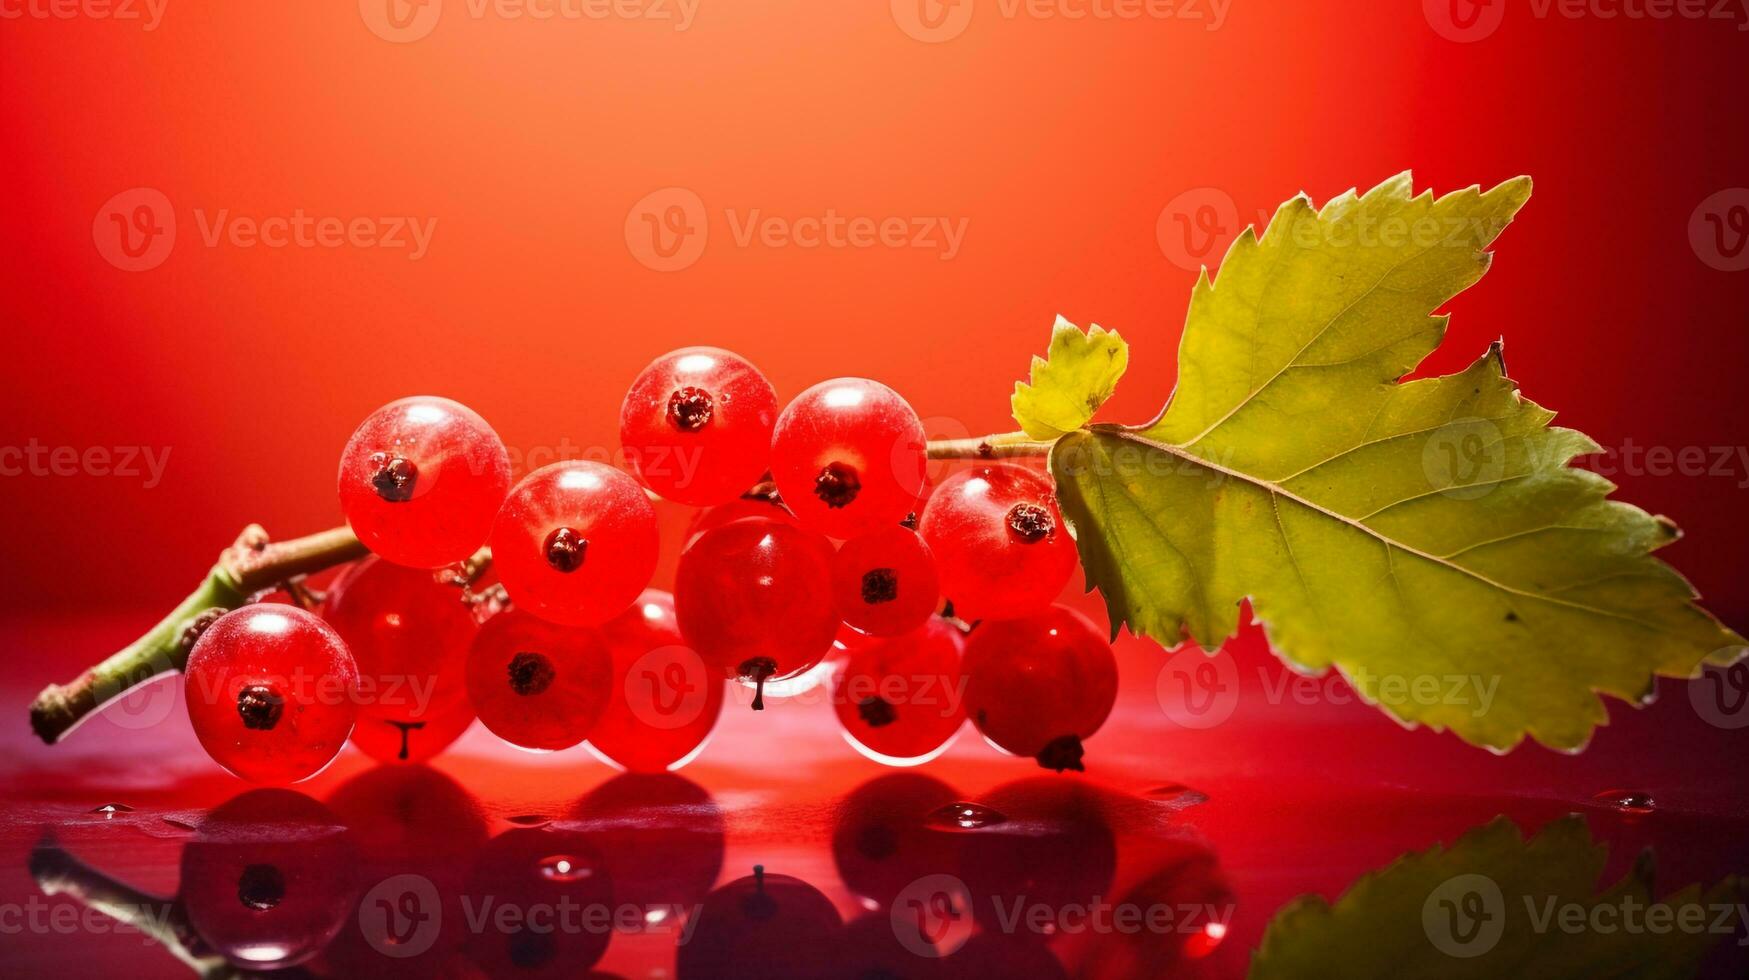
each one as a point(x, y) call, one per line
point(529, 820)
point(1176, 795)
point(1628, 801)
point(179, 824)
point(109, 810)
point(965, 816)
point(564, 867)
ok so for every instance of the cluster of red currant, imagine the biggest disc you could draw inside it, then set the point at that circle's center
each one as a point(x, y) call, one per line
point(841, 544)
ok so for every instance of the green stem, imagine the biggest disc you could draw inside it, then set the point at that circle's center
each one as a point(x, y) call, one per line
point(249, 566)
point(989, 447)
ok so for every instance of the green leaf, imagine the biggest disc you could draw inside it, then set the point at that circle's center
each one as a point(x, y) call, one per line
point(1071, 381)
point(1490, 906)
point(1419, 536)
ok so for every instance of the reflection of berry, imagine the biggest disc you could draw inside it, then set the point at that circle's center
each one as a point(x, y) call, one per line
point(270, 691)
point(848, 457)
point(902, 699)
point(1186, 877)
point(884, 582)
point(881, 841)
point(1000, 545)
point(1056, 849)
point(575, 543)
point(753, 597)
point(535, 684)
point(663, 702)
point(661, 838)
point(421, 480)
point(696, 425)
point(764, 925)
point(562, 898)
point(407, 821)
point(409, 635)
point(267, 879)
point(1038, 686)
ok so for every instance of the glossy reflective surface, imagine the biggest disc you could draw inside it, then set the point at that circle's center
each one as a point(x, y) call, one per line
point(782, 852)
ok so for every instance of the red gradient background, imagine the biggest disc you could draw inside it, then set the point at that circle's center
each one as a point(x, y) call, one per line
point(1059, 142)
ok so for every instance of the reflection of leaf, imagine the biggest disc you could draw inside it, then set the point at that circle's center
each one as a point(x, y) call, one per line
point(1074, 378)
point(1412, 534)
point(1391, 922)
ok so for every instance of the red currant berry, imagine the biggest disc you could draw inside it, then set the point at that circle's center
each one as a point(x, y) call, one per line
point(1039, 686)
point(409, 635)
point(999, 542)
point(902, 701)
point(848, 456)
point(270, 690)
point(536, 684)
point(734, 510)
point(416, 737)
point(764, 925)
point(267, 879)
point(696, 425)
point(664, 700)
point(754, 599)
point(884, 582)
point(421, 480)
point(575, 543)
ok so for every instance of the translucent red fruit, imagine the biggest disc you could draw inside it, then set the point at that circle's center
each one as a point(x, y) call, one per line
point(537, 684)
point(848, 456)
point(409, 635)
point(416, 738)
point(664, 700)
point(268, 879)
point(1041, 685)
point(270, 691)
point(1000, 546)
point(900, 701)
point(421, 480)
point(884, 582)
point(696, 425)
point(575, 543)
point(753, 597)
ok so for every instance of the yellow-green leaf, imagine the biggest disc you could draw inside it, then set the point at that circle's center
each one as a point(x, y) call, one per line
point(1071, 381)
point(1496, 905)
point(1429, 538)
